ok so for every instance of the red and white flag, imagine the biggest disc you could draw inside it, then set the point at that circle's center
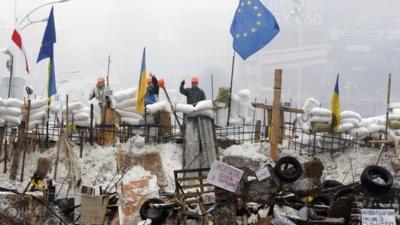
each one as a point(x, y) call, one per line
point(19, 50)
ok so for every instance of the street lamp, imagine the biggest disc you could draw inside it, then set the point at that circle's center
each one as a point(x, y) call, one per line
point(37, 8)
point(9, 66)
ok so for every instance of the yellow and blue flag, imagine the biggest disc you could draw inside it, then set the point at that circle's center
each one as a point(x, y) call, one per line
point(142, 90)
point(252, 28)
point(335, 105)
point(47, 51)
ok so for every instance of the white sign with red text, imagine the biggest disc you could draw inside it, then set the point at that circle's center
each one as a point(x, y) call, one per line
point(224, 176)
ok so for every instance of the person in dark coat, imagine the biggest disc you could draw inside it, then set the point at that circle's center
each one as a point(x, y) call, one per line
point(152, 90)
point(193, 94)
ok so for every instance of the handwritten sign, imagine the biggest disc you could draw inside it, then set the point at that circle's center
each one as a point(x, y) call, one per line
point(378, 216)
point(224, 176)
point(263, 174)
point(280, 220)
point(208, 198)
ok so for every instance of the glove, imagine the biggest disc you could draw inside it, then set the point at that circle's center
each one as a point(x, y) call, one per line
point(183, 83)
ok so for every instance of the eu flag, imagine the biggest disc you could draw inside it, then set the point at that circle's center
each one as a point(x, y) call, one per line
point(253, 27)
point(47, 51)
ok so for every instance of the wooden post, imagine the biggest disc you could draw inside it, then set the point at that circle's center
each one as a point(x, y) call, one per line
point(23, 138)
point(66, 117)
point(387, 107)
point(276, 114)
point(91, 125)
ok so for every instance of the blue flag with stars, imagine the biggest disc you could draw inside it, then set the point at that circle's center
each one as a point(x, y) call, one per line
point(252, 28)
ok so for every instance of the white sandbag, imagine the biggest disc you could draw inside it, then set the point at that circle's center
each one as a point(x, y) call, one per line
point(204, 105)
point(184, 108)
point(235, 106)
point(73, 106)
point(32, 124)
point(132, 109)
point(366, 122)
point(373, 128)
point(354, 121)
point(2, 110)
point(130, 121)
point(396, 111)
point(13, 119)
point(38, 103)
point(221, 117)
point(381, 120)
point(244, 94)
point(321, 112)
point(394, 105)
point(360, 132)
point(344, 127)
point(119, 96)
point(1, 102)
point(131, 102)
point(128, 114)
point(55, 107)
point(2, 122)
point(82, 123)
point(236, 121)
point(156, 107)
point(37, 116)
point(82, 116)
point(13, 102)
point(350, 114)
point(393, 116)
point(321, 119)
point(12, 111)
point(206, 112)
point(37, 110)
point(309, 104)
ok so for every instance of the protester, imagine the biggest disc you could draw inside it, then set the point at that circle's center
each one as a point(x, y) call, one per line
point(193, 94)
point(152, 90)
point(100, 92)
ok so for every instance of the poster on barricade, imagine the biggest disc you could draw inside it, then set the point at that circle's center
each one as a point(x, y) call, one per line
point(224, 176)
point(378, 216)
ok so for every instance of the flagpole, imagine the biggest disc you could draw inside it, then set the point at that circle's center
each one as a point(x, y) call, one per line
point(11, 74)
point(230, 89)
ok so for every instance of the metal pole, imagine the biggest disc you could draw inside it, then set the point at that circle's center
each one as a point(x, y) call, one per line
point(108, 70)
point(11, 75)
point(212, 86)
point(230, 89)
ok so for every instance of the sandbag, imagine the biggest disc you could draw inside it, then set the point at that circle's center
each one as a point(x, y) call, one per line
point(55, 107)
point(37, 116)
point(354, 121)
point(309, 104)
point(82, 123)
point(360, 132)
point(2, 122)
point(184, 108)
point(350, 114)
point(373, 128)
point(128, 114)
point(394, 105)
point(244, 94)
point(82, 116)
point(221, 117)
point(321, 119)
point(37, 110)
point(394, 124)
point(16, 120)
point(203, 105)
point(206, 112)
point(236, 121)
point(393, 116)
point(321, 127)
point(131, 102)
point(1, 102)
point(2, 110)
point(38, 103)
point(13, 102)
point(344, 127)
point(33, 124)
point(73, 106)
point(120, 96)
point(130, 121)
point(12, 111)
point(156, 107)
point(321, 112)
point(235, 106)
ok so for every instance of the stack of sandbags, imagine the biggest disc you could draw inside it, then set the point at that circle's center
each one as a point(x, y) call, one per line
point(81, 117)
point(309, 105)
point(320, 119)
point(245, 107)
point(12, 113)
point(1, 112)
point(234, 114)
point(124, 103)
point(202, 108)
point(55, 107)
point(37, 112)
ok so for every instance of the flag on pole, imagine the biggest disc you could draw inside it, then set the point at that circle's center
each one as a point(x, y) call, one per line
point(47, 51)
point(19, 48)
point(142, 90)
point(335, 105)
point(252, 28)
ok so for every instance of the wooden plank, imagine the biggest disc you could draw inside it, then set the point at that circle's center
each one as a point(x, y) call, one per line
point(207, 139)
point(284, 108)
point(192, 144)
point(276, 114)
point(257, 131)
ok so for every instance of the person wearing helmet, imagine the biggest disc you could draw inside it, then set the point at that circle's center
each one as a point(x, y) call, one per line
point(193, 94)
point(152, 89)
point(99, 91)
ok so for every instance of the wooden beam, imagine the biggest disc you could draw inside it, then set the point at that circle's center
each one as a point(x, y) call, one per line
point(284, 108)
point(276, 115)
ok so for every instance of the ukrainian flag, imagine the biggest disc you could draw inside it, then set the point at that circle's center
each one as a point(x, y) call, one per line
point(142, 90)
point(335, 105)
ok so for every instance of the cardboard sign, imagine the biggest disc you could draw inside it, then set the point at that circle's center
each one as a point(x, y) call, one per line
point(378, 216)
point(280, 220)
point(208, 198)
point(263, 174)
point(224, 176)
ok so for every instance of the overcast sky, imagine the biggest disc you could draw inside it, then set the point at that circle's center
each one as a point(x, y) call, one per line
point(186, 37)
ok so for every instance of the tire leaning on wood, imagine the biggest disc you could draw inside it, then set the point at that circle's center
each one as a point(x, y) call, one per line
point(157, 216)
point(294, 172)
point(372, 172)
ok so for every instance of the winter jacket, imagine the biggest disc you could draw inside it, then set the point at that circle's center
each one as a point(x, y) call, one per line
point(98, 93)
point(193, 94)
point(152, 91)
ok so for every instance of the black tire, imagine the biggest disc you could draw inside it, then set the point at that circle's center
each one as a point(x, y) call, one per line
point(294, 172)
point(330, 184)
point(157, 216)
point(326, 200)
point(370, 173)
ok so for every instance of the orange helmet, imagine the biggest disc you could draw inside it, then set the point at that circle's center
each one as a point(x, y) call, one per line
point(195, 79)
point(148, 80)
point(161, 83)
point(101, 80)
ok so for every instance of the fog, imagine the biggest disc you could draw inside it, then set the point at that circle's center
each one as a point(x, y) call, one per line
point(358, 39)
